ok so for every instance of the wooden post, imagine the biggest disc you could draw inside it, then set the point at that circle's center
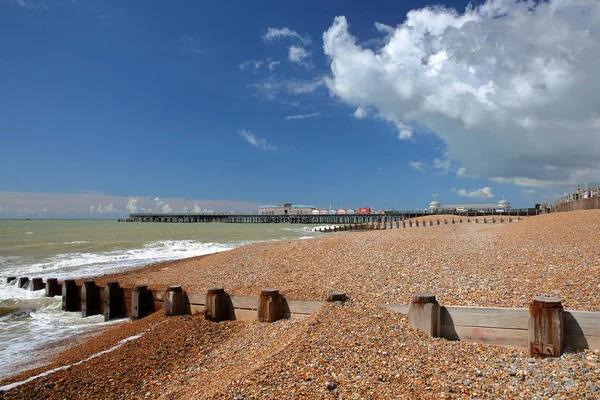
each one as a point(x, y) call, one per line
point(114, 301)
point(403, 224)
point(452, 221)
point(445, 221)
point(424, 314)
point(10, 279)
point(410, 224)
point(22, 281)
point(493, 220)
point(417, 222)
point(71, 297)
point(438, 221)
point(430, 223)
point(53, 288)
point(36, 284)
point(215, 305)
point(90, 299)
point(174, 303)
point(141, 302)
point(336, 297)
point(270, 306)
point(468, 220)
point(484, 220)
point(546, 327)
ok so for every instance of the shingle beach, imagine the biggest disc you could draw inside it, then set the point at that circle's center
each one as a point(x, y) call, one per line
point(356, 350)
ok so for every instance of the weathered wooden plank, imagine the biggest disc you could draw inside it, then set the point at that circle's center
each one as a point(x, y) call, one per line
point(582, 342)
point(486, 317)
point(302, 306)
point(515, 338)
point(582, 323)
point(401, 308)
point(245, 315)
point(196, 298)
point(245, 302)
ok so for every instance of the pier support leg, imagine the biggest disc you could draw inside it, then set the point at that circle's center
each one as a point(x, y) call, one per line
point(546, 327)
point(215, 303)
point(53, 288)
point(71, 296)
point(90, 299)
point(424, 314)
point(22, 281)
point(142, 303)
point(270, 307)
point(36, 284)
point(114, 301)
point(174, 303)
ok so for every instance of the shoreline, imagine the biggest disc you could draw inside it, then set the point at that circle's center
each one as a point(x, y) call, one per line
point(479, 265)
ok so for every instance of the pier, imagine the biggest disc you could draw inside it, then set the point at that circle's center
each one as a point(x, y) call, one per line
point(312, 218)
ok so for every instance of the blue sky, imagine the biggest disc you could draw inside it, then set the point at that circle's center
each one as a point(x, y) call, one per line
point(227, 105)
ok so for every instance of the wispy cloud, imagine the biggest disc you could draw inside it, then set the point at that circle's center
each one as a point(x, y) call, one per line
point(191, 45)
point(360, 113)
point(483, 193)
point(26, 4)
point(273, 64)
point(277, 33)
point(255, 64)
point(255, 141)
point(299, 55)
point(270, 88)
point(419, 166)
point(302, 116)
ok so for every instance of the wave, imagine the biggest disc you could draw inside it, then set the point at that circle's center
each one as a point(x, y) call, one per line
point(75, 265)
point(76, 242)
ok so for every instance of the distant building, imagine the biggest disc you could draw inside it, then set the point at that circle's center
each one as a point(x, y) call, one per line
point(286, 209)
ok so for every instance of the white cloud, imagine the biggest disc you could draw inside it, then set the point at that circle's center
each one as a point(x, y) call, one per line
point(483, 193)
point(360, 113)
point(250, 63)
point(302, 116)
point(27, 4)
point(132, 205)
point(461, 172)
point(44, 210)
point(158, 201)
point(255, 141)
point(443, 165)
point(196, 209)
point(298, 55)
point(271, 87)
point(273, 64)
point(167, 209)
point(275, 33)
point(419, 166)
point(511, 98)
point(103, 209)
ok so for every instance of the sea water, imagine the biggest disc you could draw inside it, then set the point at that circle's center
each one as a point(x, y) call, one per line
point(31, 323)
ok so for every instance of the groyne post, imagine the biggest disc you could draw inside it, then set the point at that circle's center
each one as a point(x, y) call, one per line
point(424, 314)
point(114, 301)
point(36, 284)
point(174, 303)
point(71, 296)
point(333, 297)
point(90, 299)
point(215, 304)
point(53, 288)
point(270, 305)
point(22, 281)
point(142, 303)
point(546, 327)
point(10, 279)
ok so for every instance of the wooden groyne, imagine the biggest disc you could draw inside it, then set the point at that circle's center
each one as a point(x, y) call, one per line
point(417, 223)
point(314, 218)
point(114, 301)
point(544, 329)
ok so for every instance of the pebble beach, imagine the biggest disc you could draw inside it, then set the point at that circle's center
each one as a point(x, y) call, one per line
point(356, 350)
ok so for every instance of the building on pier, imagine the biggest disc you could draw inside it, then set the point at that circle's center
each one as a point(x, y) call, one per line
point(286, 209)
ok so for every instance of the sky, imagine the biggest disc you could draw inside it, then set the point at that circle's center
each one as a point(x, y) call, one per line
point(109, 107)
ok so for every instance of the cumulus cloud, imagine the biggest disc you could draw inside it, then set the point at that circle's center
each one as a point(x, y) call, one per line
point(255, 141)
point(419, 166)
point(132, 205)
point(196, 209)
point(276, 33)
point(302, 116)
point(166, 209)
point(483, 193)
point(299, 55)
point(509, 86)
point(158, 201)
point(110, 208)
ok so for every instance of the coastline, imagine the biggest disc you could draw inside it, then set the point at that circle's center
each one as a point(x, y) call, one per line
point(463, 264)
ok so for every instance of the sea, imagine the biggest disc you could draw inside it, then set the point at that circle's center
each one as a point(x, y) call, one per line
point(31, 324)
